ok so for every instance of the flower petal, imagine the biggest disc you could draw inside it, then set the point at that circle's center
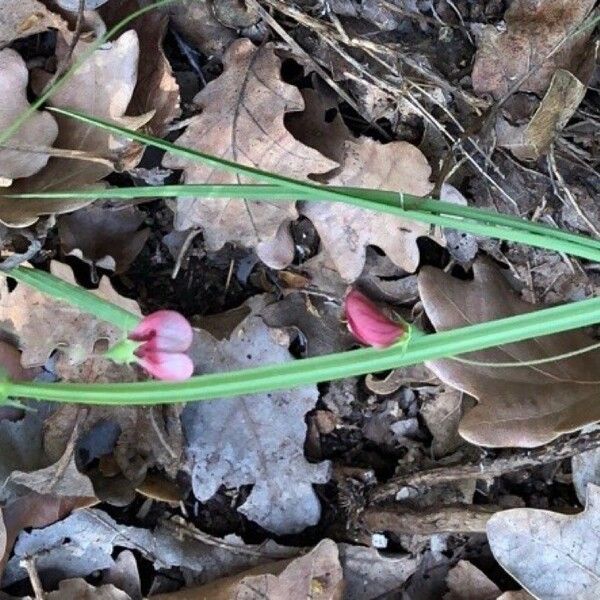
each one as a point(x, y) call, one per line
point(367, 322)
point(163, 331)
point(167, 365)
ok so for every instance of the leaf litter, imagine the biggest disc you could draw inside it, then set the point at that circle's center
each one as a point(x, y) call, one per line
point(355, 489)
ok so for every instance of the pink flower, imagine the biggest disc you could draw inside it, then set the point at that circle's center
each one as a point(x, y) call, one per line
point(368, 323)
point(165, 335)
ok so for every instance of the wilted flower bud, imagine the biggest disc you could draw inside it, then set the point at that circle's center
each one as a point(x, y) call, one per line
point(369, 324)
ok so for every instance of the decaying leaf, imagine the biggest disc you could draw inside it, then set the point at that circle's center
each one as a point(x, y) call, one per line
point(316, 575)
point(533, 30)
point(442, 415)
point(85, 542)
point(586, 470)
point(346, 231)
point(80, 589)
point(369, 575)
point(242, 120)
point(319, 322)
point(43, 324)
point(521, 406)
point(110, 239)
point(156, 89)
point(529, 142)
point(255, 439)
point(552, 555)
point(467, 582)
point(21, 18)
point(38, 132)
point(103, 87)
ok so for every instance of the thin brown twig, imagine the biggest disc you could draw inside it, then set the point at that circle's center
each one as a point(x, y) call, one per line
point(507, 461)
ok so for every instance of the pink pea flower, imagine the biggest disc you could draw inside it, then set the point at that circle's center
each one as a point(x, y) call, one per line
point(368, 323)
point(164, 337)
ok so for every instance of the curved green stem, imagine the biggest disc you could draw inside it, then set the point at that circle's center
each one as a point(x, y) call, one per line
point(323, 368)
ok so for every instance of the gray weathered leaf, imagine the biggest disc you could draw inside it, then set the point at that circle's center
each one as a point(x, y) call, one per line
point(553, 556)
point(254, 439)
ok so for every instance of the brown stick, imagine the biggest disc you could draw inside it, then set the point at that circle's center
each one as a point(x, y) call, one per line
point(506, 462)
point(445, 519)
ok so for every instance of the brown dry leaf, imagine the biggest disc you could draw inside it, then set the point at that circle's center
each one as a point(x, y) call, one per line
point(110, 239)
point(242, 120)
point(565, 549)
point(43, 324)
point(533, 29)
point(346, 231)
point(21, 18)
point(320, 322)
point(135, 439)
point(529, 142)
point(467, 582)
point(522, 406)
point(197, 23)
point(103, 87)
point(39, 131)
point(317, 575)
point(156, 89)
point(80, 589)
point(442, 415)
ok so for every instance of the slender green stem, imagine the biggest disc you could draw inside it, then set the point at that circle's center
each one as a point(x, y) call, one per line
point(405, 205)
point(75, 295)
point(323, 368)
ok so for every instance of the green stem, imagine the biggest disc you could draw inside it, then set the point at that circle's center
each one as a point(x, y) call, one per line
point(433, 212)
point(323, 368)
point(81, 298)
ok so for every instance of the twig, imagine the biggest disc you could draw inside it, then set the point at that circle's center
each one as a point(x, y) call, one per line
point(29, 565)
point(507, 461)
point(446, 519)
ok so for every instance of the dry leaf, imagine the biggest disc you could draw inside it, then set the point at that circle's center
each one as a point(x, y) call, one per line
point(370, 575)
point(103, 87)
point(345, 231)
point(110, 239)
point(255, 439)
point(86, 540)
point(533, 29)
point(553, 556)
point(529, 142)
point(196, 22)
point(21, 18)
point(586, 470)
point(39, 131)
point(442, 414)
point(242, 120)
point(156, 89)
point(316, 575)
point(320, 322)
point(522, 406)
point(79, 589)
point(467, 582)
point(43, 324)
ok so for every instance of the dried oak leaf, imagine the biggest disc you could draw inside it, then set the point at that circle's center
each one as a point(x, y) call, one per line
point(242, 120)
point(530, 141)
point(345, 231)
point(317, 575)
point(21, 18)
point(156, 89)
point(254, 439)
point(43, 324)
point(533, 30)
point(103, 87)
point(551, 555)
point(107, 238)
point(521, 406)
point(39, 131)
